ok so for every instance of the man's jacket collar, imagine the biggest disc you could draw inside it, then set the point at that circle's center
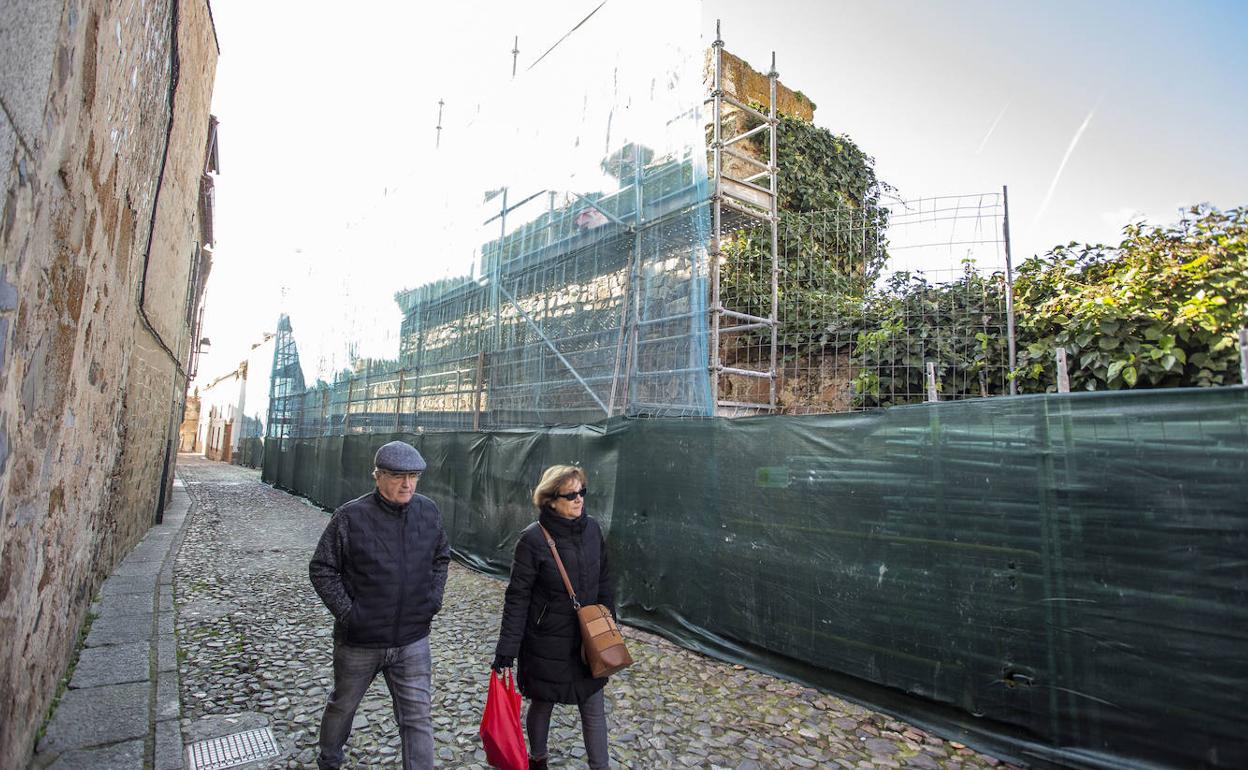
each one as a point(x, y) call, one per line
point(390, 507)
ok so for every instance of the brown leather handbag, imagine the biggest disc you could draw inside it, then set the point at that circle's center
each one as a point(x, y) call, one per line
point(602, 644)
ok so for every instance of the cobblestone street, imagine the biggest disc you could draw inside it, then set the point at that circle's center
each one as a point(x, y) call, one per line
point(254, 644)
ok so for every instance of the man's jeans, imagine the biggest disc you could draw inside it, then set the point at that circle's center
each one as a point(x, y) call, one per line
point(408, 671)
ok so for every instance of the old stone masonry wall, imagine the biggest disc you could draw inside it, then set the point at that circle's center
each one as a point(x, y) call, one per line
point(85, 131)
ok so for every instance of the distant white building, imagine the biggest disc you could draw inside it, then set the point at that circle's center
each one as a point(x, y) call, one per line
point(233, 407)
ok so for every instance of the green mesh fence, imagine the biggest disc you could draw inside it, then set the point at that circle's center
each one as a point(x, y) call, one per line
point(867, 296)
point(1059, 579)
point(250, 453)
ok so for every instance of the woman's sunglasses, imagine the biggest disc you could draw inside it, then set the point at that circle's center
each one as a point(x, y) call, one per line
point(573, 495)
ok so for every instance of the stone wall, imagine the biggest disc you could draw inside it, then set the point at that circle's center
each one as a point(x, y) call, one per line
point(188, 434)
point(156, 393)
point(90, 397)
point(740, 80)
point(751, 86)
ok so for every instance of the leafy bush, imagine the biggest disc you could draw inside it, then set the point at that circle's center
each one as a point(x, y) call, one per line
point(1160, 310)
point(910, 321)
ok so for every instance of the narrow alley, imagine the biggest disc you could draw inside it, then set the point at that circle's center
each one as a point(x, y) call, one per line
point(254, 649)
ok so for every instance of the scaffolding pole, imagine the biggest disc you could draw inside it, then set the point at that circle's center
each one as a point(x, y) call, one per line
point(1009, 288)
point(717, 97)
point(773, 121)
point(754, 200)
point(542, 335)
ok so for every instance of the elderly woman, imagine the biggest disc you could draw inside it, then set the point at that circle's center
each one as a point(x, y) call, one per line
point(539, 625)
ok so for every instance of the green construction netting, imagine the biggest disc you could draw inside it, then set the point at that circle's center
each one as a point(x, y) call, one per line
point(250, 453)
point(1062, 579)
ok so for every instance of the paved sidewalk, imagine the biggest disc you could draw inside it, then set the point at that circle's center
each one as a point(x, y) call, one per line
point(121, 708)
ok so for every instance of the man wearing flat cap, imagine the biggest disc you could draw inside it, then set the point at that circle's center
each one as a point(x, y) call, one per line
point(380, 568)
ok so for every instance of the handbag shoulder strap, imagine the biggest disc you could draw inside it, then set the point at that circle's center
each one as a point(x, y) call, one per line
point(563, 573)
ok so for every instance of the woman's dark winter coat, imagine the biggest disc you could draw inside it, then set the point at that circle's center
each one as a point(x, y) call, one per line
point(539, 625)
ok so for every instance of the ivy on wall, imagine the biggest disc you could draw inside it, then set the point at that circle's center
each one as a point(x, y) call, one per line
point(1161, 309)
point(830, 261)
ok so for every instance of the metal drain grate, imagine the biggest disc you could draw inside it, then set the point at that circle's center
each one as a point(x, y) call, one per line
point(232, 750)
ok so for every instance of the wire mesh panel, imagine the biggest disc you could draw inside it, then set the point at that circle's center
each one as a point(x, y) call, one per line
point(667, 354)
point(868, 297)
point(559, 326)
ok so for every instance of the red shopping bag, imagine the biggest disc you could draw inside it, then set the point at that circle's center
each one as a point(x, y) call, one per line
point(500, 725)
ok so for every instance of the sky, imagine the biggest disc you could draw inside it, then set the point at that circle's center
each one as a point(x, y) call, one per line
point(333, 193)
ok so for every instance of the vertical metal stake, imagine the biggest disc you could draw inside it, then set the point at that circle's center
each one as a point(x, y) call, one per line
point(496, 274)
point(346, 417)
point(774, 215)
point(1243, 356)
point(1009, 290)
point(398, 401)
point(1063, 375)
point(628, 319)
point(438, 142)
point(932, 395)
point(716, 213)
point(476, 395)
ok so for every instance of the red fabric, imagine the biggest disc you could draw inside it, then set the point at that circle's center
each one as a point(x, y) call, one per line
point(501, 733)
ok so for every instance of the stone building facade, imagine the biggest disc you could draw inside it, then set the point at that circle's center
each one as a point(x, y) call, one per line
point(221, 404)
point(106, 144)
point(188, 434)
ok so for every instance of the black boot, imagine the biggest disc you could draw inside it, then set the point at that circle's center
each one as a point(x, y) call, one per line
point(538, 764)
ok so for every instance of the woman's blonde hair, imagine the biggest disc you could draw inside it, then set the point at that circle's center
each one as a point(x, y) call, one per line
point(552, 478)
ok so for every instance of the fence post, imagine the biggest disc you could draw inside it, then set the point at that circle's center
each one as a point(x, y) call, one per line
point(346, 417)
point(1243, 355)
point(1009, 289)
point(398, 402)
point(1063, 375)
point(476, 391)
point(932, 395)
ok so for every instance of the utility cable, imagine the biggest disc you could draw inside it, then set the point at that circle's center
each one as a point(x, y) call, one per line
point(174, 57)
point(567, 34)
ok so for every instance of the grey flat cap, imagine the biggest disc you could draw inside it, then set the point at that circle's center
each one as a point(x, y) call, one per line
point(400, 457)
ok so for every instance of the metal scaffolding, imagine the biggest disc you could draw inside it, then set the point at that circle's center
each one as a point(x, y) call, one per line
point(628, 300)
point(286, 385)
point(735, 203)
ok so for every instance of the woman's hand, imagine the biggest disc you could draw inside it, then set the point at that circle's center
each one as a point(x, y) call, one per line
point(503, 661)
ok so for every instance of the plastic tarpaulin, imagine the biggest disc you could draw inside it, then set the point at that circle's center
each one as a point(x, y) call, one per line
point(1059, 579)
